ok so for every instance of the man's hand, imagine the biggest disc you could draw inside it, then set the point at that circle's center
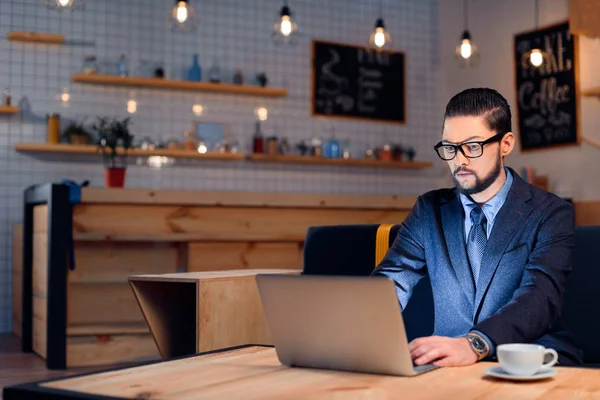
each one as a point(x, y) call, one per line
point(445, 351)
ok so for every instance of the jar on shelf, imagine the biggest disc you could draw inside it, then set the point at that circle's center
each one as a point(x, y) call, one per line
point(190, 142)
point(53, 135)
point(89, 65)
point(272, 146)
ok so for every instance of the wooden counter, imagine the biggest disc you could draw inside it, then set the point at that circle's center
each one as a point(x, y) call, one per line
point(255, 373)
point(88, 315)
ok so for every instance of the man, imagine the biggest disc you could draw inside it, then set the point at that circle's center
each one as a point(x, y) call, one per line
point(497, 250)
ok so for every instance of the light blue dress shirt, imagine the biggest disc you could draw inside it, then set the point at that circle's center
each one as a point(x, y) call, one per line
point(490, 209)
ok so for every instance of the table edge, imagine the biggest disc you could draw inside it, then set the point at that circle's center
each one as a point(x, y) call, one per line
point(33, 390)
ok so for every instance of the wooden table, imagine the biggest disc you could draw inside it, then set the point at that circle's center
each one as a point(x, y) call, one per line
point(253, 372)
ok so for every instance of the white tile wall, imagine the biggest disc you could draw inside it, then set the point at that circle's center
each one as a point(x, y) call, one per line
point(572, 170)
point(236, 33)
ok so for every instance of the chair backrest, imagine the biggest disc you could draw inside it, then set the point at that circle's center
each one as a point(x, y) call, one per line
point(350, 250)
point(582, 298)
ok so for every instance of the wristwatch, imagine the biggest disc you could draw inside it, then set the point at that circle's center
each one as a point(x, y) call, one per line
point(478, 345)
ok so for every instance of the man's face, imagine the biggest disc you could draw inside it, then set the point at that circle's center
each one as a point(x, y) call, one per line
point(472, 175)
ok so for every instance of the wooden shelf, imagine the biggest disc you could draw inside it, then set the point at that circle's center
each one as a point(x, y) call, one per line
point(62, 148)
point(591, 92)
point(339, 161)
point(9, 109)
point(159, 83)
point(35, 37)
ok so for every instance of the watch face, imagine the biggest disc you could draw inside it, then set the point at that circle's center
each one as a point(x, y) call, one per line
point(478, 344)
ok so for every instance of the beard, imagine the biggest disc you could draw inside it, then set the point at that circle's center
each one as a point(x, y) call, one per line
point(480, 184)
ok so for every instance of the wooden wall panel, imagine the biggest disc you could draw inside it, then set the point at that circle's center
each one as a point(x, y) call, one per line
point(221, 223)
point(40, 325)
point(113, 262)
point(243, 255)
point(102, 304)
point(17, 281)
point(110, 349)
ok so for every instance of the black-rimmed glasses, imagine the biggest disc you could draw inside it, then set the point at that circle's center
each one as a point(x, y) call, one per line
point(448, 151)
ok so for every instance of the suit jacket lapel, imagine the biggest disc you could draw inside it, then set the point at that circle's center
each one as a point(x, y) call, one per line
point(506, 224)
point(454, 232)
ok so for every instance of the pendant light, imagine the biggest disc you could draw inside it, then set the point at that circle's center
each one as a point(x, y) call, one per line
point(285, 29)
point(466, 51)
point(536, 55)
point(183, 17)
point(380, 37)
point(64, 5)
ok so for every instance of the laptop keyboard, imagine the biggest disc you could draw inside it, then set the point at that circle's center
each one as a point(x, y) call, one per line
point(419, 369)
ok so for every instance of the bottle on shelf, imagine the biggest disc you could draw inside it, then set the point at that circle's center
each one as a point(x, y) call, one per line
point(6, 97)
point(195, 72)
point(53, 128)
point(258, 140)
point(122, 66)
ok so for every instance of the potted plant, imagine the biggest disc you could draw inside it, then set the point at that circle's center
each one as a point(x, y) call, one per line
point(114, 141)
point(76, 133)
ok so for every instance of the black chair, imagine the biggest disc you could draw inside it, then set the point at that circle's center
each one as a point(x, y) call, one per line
point(582, 298)
point(351, 250)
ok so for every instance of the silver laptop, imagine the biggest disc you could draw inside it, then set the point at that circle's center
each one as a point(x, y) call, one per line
point(348, 323)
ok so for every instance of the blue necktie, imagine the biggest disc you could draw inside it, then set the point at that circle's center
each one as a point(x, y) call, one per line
point(476, 241)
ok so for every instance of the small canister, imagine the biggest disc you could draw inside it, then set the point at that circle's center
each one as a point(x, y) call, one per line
point(53, 134)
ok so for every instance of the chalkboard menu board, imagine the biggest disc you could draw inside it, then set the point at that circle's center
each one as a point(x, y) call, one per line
point(547, 100)
point(358, 82)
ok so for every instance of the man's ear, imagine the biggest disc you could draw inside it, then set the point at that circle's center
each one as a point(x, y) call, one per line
point(507, 144)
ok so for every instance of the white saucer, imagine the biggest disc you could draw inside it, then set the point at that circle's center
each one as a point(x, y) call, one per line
point(498, 372)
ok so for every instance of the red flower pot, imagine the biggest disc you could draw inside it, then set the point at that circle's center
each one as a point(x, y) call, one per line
point(114, 177)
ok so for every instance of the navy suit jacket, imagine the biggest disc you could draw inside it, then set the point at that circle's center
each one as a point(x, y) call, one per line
point(521, 287)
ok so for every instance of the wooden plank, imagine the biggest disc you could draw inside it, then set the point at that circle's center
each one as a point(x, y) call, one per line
point(230, 314)
point(156, 83)
point(8, 110)
point(17, 278)
point(587, 213)
point(112, 303)
point(109, 349)
point(113, 262)
point(220, 223)
point(35, 37)
point(352, 162)
point(40, 263)
point(94, 195)
point(62, 148)
point(40, 325)
point(107, 329)
point(208, 275)
point(584, 17)
point(259, 375)
point(243, 255)
point(40, 218)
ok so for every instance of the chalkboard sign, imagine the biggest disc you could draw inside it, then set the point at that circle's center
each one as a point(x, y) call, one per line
point(547, 100)
point(358, 82)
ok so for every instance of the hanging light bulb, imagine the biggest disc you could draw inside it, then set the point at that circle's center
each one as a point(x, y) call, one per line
point(183, 17)
point(466, 51)
point(68, 5)
point(285, 29)
point(380, 37)
point(536, 55)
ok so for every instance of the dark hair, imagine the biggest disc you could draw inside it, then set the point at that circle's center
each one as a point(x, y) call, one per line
point(481, 102)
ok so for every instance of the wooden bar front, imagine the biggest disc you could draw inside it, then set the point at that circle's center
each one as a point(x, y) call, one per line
point(122, 232)
point(255, 373)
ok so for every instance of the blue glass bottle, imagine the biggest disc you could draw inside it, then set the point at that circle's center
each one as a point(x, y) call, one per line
point(332, 149)
point(195, 72)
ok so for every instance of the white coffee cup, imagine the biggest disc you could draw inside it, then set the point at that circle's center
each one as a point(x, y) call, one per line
point(522, 359)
